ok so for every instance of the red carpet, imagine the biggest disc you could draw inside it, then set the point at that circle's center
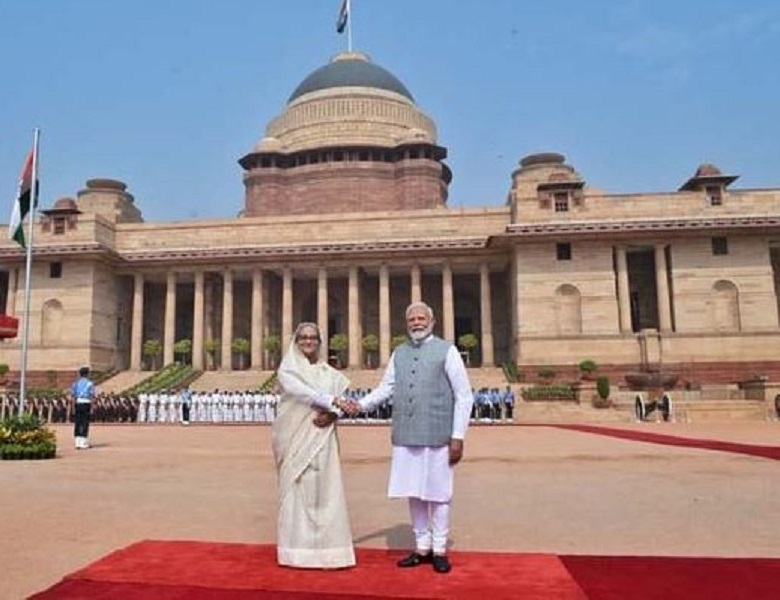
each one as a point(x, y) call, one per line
point(156, 570)
point(772, 452)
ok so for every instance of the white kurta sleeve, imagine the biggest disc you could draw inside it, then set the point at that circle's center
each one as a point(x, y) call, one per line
point(461, 388)
point(383, 391)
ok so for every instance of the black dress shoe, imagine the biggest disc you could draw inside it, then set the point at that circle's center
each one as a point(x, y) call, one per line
point(415, 559)
point(441, 564)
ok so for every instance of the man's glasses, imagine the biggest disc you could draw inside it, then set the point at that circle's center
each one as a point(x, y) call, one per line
point(308, 338)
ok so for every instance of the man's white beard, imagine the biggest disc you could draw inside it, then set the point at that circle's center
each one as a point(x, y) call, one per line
point(419, 336)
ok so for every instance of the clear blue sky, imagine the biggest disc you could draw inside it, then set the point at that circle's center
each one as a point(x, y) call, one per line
point(166, 95)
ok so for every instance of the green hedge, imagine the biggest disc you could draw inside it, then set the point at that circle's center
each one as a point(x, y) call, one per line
point(550, 392)
point(24, 437)
point(172, 376)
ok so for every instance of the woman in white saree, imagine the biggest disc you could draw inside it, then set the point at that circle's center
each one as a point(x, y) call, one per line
point(313, 524)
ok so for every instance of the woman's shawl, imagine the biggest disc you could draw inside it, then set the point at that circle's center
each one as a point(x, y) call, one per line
point(296, 440)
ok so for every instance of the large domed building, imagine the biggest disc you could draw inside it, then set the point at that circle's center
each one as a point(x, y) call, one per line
point(349, 139)
point(345, 222)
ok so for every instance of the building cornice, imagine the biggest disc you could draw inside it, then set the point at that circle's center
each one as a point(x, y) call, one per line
point(247, 253)
point(638, 227)
point(304, 251)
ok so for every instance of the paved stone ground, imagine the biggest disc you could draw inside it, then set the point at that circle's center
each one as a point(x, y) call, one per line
point(522, 489)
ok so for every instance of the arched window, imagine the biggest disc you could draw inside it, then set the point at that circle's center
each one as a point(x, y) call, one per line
point(568, 309)
point(725, 306)
point(51, 322)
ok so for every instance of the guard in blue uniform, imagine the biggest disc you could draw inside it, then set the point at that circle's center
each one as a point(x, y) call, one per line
point(83, 392)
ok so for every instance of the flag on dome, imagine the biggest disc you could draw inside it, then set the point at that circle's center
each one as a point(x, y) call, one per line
point(22, 203)
point(343, 18)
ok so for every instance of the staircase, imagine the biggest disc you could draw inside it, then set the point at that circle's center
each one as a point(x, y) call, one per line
point(232, 381)
point(122, 381)
point(488, 377)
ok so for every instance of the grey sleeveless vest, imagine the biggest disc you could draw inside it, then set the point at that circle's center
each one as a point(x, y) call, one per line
point(423, 402)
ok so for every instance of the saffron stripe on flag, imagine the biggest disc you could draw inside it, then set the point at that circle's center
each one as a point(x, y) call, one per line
point(22, 204)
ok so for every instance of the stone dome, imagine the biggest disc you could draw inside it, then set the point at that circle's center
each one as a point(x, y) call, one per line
point(350, 69)
point(350, 102)
point(708, 170)
point(65, 203)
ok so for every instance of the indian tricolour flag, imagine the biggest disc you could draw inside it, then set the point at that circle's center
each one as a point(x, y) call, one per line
point(22, 204)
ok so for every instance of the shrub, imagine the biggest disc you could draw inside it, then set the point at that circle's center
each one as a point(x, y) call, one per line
point(370, 347)
point(242, 347)
point(587, 366)
point(468, 341)
point(510, 371)
point(339, 342)
point(602, 387)
point(370, 342)
point(25, 437)
point(546, 373)
point(549, 392)
point(152, 349)
point(183, 348)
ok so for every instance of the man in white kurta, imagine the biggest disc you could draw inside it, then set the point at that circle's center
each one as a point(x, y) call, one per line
point(438, 415)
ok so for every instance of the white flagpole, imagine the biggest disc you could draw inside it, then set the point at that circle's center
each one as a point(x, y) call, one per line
point(28, 270)
point(349, 25)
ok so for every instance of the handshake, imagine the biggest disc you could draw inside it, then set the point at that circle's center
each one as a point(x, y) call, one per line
point(348, 407)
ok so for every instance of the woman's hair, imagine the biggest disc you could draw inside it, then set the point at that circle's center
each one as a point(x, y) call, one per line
point(308, 325)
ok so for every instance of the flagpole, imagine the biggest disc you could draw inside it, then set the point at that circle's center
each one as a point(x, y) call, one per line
point(28, 270)
point(349, 26)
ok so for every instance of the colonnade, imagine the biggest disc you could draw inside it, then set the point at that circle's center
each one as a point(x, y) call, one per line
point(280, 317)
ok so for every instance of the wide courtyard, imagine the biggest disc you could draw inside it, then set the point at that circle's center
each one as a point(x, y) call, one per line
point(529, 489)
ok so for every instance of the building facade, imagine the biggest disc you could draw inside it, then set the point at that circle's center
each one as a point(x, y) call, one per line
point(345, 222)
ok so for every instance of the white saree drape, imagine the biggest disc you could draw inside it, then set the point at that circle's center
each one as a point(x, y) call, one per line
point(313, 524)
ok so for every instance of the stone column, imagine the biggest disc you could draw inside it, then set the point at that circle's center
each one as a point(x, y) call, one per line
point(448, 306)
point(170, 318)
point(322, 309)
point(287, 308)
point(662, 286)
point(384, 315)
point(209, 318)
point(257, 319)
point(624, 294)
point(486, 315)
point(137, 329)
point(197, 322)
point(227, 320)
point(354, 319)
point(516, 309)
point(13, 286)
point(416, 295)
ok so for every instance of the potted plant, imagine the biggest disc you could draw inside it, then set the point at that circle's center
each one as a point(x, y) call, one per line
point(183, 348)
point(152, 350)
point(602, 399)
point(587, 368)
point(242, 347)
point(272, 344)
point(370, 347)
point(467, 342)
point(339, 344)
point(3, 372)
point(210, 347)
